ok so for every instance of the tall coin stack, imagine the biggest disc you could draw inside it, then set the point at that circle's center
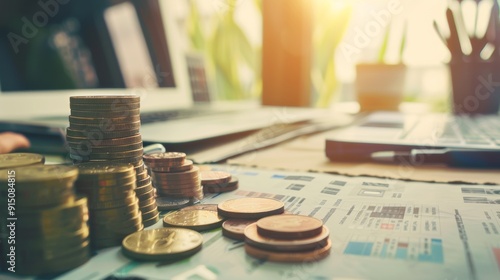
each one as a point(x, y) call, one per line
point(106, 128)
point(47, 222)
point(173, 176)
point(113, 205)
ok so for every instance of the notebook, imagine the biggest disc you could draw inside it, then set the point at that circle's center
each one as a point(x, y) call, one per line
point(169, 112)
point(398, 132)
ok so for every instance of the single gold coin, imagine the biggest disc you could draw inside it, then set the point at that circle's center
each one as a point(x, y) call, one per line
point(250, 208)
point(105, 170)
point(104, 99)
point(35, 175)
point(209, 207)
point(14, 160)
point(253, 238)
point(235, 228)
point(214, 177)
point(198, 220)
point(167, 159)
point(289, 257)
point(289, 226)
point(162, 244)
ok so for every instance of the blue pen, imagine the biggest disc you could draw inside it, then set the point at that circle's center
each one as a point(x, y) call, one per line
point(452, 157)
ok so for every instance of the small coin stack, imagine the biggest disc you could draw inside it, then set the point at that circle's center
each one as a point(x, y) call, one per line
point(174, 176)
point(218, 181)
point(106, 128)
point(242, 212)
point(45, 218)
point(288, 238)
point(113, 205)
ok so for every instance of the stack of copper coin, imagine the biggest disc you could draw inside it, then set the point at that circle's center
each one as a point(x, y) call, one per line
point(106, 129)
point(218, 181)
point(288, 238)
point(42, 219)
point(242, 212)
point(174, 176)
point(113, 204)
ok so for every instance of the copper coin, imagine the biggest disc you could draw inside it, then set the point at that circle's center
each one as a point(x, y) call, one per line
point(188, 165)
point(219, 188)
point(235, 228)
point(250, 208)
point(194, 219)
point(289, 227)
point(253, 238)
point(289, 257)
point(214, 177)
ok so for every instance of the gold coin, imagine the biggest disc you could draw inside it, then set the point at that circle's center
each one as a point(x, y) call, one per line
point(98, 141)
point(169, 203)
point(235, 228)
point(143, 189)
point(142, 175)
point(119, 213)
point(149, 207)
point(107, 128)
point(106, 186)
point(97, 133)
point(151, 221)
point(253, 238)
point(150, 214)
point(143, 182)
point(209, 207)
point(105, 114)
point(195, 219)
point(32, 176)
point(105, 170)
point(103, 149)
point(290, 257)
point(105, 107)
point(289, 227)
point(167, 159)
point(250, 208)
point(117, 203)
point(103, 121)
point(14, 160)
point(106, 155)
point(162, 244)
point(104, 99)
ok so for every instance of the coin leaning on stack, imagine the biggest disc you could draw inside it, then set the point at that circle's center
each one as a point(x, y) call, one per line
point(173, 176)
point(51, 232)
point(113, 204)
point(106, 129)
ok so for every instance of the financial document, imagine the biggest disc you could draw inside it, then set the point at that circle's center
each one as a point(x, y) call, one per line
point(380, 229)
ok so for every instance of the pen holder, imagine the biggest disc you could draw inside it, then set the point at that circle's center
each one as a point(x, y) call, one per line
point(476, 87)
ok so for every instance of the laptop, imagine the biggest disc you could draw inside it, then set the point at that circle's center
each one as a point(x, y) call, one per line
point(144, 48)
point(398, 132)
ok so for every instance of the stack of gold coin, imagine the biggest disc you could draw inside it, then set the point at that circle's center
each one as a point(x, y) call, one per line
point(113, 204)
point(218, 181)
point(174, 176)
point(106, 129)
point(288, 238)
point(43, 225)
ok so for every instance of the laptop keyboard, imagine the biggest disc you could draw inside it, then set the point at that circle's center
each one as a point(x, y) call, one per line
point(151, 117)
point(484, 130)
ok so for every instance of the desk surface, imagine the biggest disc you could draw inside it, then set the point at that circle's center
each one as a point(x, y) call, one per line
point(380, 229)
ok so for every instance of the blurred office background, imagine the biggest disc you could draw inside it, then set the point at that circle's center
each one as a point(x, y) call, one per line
point(227, 37)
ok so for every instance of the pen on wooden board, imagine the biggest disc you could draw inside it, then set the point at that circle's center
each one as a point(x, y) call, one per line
point(451, 157)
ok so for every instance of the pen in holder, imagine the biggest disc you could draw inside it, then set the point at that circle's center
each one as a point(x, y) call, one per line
point(475, 57)
point(476, 87)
